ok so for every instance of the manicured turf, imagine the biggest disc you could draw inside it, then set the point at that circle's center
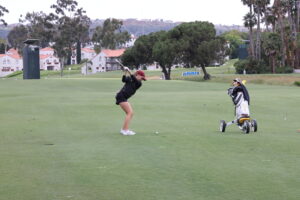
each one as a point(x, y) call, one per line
point(59, 139)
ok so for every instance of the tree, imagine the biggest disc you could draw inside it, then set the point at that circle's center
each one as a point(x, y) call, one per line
point(39, 26)
point(3, 10)
point(155, 47)
point(260, 7)
point(271, 46)
point(70, 24)
point(166, 53)
point(129, 58)
point(82, 24)
point(280, 10)
point(110, 34)
point(198, 44)
point(17, 36)
point(235, 38)
point(3, 46)
point(249, 22)
point(143, 48)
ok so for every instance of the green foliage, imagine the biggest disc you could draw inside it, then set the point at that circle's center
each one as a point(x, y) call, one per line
point(110, 35)
point(192, 44)
point(17, 36)
point(39, 26)
point(198, 44)
point(297, 83)
point(284, 70)
point(235, 39)
point(129, 59)
point(15, 74)
point(251, 66)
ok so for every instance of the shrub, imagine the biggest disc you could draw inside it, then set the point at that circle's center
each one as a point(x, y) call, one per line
point(17, 73)
point(251, 66)
point(297, 83)
point(284, 70)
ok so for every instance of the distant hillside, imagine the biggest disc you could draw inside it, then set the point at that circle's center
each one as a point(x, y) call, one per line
point(144, 27)
point(140, 27)
point(4, 30)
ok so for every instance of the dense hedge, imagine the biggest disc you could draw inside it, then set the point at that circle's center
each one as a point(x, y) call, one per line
point(258, 67)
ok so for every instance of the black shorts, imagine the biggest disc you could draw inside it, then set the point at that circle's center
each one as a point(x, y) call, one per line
point(120, 98)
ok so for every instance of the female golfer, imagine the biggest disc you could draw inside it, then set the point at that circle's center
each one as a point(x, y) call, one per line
point(240, 98)
point(132, 84)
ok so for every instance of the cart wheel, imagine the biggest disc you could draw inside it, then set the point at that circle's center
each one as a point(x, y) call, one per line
point(246, 127)
point(254, 125)
point(222, 126)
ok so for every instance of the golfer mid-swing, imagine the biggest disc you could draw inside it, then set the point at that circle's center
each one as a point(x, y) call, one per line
point(132, 84)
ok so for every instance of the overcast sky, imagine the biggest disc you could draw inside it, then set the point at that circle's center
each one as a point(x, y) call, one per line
point(226, 12)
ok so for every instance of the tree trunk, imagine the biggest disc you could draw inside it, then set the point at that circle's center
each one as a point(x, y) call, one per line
point(292, 22)
point(297, 58)
point(283, 46)
point(62, 63)
point(206, 75)
point(166, 74)
point(78, 52)
point(266, 16)
point(169, 72)
point(252, 54)
point(258, 49)
point(273, 64)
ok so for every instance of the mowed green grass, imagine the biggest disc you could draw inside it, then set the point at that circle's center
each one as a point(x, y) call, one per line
point(59, 139)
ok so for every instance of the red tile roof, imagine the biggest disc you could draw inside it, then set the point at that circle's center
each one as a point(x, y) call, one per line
point(15, 56)
point(88, 50)
point(12, 51)
point(47, 49)
point(113, 53)
point(44, 56)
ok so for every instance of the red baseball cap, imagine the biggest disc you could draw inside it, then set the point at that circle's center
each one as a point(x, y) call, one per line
point(141, 73)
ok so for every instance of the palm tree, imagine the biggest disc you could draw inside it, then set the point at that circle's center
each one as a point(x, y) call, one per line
point(249, 22)
point(279, 10)
point(259, 7)
point(270, 18)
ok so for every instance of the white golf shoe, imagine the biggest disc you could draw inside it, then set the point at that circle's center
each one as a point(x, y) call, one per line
point(124, 132)
point(129, 132)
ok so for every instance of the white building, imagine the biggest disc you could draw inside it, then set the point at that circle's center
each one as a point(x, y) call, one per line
point(106, 60)
point(10, 62)
point(49, 62)
point(131, 42)
point(87, 53)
